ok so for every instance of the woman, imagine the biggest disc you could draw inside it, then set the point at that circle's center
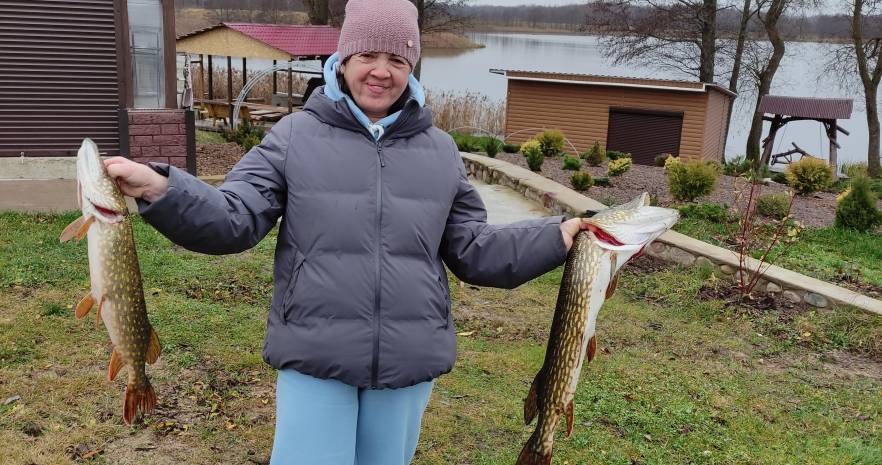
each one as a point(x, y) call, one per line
point(373, 199)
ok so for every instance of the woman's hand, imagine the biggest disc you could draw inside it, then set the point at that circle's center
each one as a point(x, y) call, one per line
point(136, 180)
point(570, 228)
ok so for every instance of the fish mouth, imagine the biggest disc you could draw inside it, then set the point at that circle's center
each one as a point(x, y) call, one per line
point(100, 212)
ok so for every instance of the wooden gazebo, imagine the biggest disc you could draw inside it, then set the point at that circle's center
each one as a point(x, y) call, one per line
point(267, 41)
point(786, 109)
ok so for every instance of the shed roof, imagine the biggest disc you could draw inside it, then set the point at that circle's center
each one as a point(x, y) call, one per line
point(612, 81)
point(807, 107)
point(253, 39)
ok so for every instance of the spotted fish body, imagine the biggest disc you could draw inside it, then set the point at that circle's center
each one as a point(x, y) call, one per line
point(115, 279)
point(614, 236)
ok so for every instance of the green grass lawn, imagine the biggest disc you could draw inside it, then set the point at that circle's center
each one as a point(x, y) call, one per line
point(209, 137)
point(677, 379)
point(829, 254)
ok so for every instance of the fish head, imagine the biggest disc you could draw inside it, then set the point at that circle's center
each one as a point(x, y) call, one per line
point(628, 228)
point(98, 194)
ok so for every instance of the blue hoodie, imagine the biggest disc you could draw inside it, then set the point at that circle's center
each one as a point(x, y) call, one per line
point(333, 92)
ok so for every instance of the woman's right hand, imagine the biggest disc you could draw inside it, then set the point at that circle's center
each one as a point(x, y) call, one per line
point(136, 180)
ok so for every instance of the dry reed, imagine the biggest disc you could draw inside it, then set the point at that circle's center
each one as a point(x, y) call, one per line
point(261, 92)
point(467, 112)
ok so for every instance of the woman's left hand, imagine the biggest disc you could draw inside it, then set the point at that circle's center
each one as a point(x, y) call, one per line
point(570, 228)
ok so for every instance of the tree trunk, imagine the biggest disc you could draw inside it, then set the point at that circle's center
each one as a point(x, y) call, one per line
point(317, 11)
point(421, 21)
point(739, 47)
point(873, 126)
point(708, 40)
point(770, 22)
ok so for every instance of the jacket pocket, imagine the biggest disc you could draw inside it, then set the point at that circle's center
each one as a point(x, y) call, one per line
point(288, 301)
point(446, 294)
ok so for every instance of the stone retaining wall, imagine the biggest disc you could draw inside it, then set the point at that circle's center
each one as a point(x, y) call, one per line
point(671, 246)
point(166, 136)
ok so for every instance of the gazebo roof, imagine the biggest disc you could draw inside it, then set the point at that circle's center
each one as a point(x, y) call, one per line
point(807, 107)
point(269, 41)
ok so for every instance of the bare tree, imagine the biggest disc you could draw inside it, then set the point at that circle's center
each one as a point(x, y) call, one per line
point(868, 58)
point(438, 16)
point(317, 10)
point(680, 36)
point(768, 12)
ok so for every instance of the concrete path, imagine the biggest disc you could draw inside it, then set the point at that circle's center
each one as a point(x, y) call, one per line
point(507, 206)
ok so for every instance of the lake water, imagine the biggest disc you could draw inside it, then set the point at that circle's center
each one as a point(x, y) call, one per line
point(799, 75)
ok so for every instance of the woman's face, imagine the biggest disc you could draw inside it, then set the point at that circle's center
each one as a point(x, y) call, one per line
point(375, 80)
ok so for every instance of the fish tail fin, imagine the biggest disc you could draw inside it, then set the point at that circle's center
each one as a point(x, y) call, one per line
point(138, 398)
point(530, 456)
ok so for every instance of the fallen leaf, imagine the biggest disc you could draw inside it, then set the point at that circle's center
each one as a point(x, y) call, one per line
point(11, 400)
point(465, 333)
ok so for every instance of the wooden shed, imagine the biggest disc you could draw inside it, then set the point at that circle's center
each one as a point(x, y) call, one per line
point(644, 117)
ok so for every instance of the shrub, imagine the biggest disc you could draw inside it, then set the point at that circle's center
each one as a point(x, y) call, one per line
point(780, 178)
point(736, 166)
point(532, 151)
point(854, 170)
point(775, 206)
point(595, 155)
point(615, 154)
point(551, 143)
point(511, 148)
point(661, 160)
point(858, 209)
point(581, 181)
point(602, 182)
point(671, 161)
point(618, 167)
point(688, 181)
point(247, 134)
point(809, 174)
point(572, 164)
point(492, 147)
point(712, 212)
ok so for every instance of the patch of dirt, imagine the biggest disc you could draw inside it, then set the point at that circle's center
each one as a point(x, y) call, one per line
point(647, 264)
point(815, 210)
point(754, 305)
point(850, 365)
point(217, 159)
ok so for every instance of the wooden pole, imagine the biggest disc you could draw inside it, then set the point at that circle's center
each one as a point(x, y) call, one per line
point(831, 134)
point(275, 80)
point(244, 73)
point(290, 86)
point(210, 79)
point(201, 77)
point(770, 140)
point(230, 81)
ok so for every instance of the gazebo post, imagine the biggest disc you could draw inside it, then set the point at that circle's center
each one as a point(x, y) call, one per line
point(230, 87)
point(201, 77)
point(770, 140)
point(244, 73)
point(831, 135)
point(210, 79)
point(290, 86)
point(275, 81)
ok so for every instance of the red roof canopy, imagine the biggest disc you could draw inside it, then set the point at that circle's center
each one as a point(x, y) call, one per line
point(297, 41)
point(807, 107)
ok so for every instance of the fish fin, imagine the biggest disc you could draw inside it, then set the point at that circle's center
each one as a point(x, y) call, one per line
point(143, 400)
point(85, 304)
point(153, 347)
point(71, 230)
point(84, 229)
point(531, 403)
point(592, 348)
point(529, 456)
point(98, 311)
point(570, 419)
point(613, 276)
point(115, 365)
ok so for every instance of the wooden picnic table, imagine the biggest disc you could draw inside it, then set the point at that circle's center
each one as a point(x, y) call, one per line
point(219, 109)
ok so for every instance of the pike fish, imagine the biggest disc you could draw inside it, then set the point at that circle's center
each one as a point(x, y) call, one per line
point(614, 236)
point(115, 279)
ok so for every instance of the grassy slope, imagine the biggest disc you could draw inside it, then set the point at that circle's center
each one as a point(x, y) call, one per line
point(678, 380)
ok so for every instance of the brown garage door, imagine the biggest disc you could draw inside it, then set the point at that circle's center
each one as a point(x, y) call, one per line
point(644, 134)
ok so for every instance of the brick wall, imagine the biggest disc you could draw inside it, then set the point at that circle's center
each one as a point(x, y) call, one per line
point(166, 136)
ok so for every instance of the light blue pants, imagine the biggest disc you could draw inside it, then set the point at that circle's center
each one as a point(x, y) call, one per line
point(327, 422)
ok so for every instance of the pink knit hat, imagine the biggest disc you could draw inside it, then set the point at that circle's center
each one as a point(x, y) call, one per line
point(380, 26)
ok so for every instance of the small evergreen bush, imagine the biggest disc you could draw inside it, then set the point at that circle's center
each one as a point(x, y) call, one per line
point(615, 154)
point(780, 178)
point(581, 181)
point(572, 164)
point(688, 181)
point(712, 212)
point(601, 182)
point(551, 143)
point(858, 209)
point(595, 156)
point(854, 170)
point(809, 174)
point(532, 151)
point(661, 160)
point(775, 206)
point(247, 134)
point(491, 147)
point(511, 148)
point(618, 167)
point(736, 166)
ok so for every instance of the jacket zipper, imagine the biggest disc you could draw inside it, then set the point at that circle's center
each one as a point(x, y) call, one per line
point(375, 362)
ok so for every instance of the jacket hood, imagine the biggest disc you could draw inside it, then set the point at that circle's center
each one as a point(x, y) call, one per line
point(330, 106)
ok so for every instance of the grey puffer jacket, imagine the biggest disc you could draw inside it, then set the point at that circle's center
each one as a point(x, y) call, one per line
point(360, 291)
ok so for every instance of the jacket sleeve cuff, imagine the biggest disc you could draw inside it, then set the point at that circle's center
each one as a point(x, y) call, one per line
point(172, 197)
